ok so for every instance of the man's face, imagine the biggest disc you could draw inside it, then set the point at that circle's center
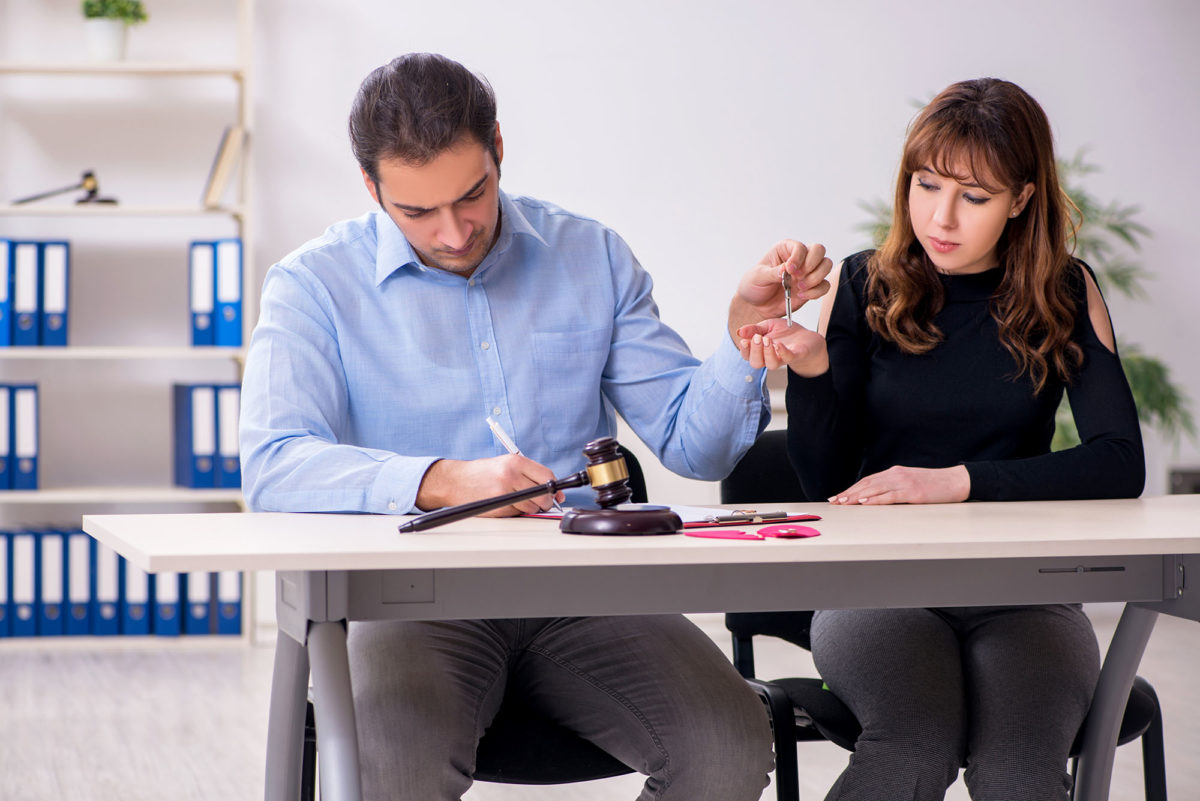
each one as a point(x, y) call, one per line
point(449, 208)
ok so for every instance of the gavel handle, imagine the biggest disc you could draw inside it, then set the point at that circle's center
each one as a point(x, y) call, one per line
point(451, 513)
point(50, 193)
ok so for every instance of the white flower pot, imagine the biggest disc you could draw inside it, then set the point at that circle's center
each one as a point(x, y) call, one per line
point(105, 39)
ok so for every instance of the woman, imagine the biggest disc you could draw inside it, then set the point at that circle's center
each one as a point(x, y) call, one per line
point(934, 378)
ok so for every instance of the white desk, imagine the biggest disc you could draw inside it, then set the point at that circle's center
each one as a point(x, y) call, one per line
point(333, 568)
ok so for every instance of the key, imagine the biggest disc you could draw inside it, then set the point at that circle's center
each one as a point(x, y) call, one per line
point(787, 295)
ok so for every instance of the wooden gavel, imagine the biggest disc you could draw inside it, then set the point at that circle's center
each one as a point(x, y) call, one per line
point(606, 473)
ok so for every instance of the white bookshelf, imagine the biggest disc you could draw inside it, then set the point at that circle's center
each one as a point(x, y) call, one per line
point(63, 496)
point(131, 371)
point(116, 210)
point(140, 68)
point(118, 352)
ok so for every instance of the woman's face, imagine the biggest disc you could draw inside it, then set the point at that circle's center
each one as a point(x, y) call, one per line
point(959, 222)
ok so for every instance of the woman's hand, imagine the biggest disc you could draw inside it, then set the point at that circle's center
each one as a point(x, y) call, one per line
point(762, 285)
point(908, 485)
point(760, 293)
point(774, 343)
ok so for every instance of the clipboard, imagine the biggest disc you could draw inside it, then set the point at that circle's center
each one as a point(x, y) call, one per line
point(747, 517)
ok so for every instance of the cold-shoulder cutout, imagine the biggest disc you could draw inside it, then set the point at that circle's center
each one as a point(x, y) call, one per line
point(1098, 311)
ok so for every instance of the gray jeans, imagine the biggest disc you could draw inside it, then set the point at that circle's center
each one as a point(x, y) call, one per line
point(653, 691)
point(1002, 690)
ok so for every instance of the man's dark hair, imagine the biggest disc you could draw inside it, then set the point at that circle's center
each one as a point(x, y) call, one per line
point(417, 106)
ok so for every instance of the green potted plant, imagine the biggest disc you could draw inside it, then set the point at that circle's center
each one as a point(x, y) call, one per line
point(106, 24)
point(1108, 235)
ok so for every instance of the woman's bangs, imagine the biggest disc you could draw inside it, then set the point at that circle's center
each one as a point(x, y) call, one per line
point(958, 155)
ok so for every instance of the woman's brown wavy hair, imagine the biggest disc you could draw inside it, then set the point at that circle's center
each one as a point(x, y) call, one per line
point(990, 131)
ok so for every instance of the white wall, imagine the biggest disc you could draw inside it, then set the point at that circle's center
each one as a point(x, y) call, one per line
point(702, 131)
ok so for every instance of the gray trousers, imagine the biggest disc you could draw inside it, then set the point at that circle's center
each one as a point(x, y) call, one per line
point(1001, 690)
point(654, 691)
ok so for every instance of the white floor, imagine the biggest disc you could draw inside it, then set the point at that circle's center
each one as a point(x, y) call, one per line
point(186, 721)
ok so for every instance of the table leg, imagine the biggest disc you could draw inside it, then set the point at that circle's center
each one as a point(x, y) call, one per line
point(285, 722)
point(337, 741)
point(1108, 704)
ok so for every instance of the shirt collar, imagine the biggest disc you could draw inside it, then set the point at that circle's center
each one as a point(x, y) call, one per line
point(393, 250)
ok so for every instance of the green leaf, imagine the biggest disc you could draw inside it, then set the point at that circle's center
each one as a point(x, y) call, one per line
point(1066, 435)
point(1124, 277)
point(131, 11)
point(1162, 404)
point(879, 220)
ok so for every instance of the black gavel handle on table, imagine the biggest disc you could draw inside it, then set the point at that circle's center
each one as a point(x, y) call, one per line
point(452, 513)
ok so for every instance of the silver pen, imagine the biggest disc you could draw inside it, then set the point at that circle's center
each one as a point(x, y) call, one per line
point(511, 447)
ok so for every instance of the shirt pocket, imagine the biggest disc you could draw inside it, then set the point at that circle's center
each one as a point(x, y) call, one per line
point(569, 368)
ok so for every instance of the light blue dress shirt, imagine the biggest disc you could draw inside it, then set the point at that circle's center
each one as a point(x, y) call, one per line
point(367, 366)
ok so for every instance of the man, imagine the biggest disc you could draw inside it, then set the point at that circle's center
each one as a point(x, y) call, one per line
point(382, 349)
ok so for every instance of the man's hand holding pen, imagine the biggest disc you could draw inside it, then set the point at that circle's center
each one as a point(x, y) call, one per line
point(450, 482)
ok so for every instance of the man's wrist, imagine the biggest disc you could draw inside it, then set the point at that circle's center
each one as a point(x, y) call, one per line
point(741, 313)
point(431, 493)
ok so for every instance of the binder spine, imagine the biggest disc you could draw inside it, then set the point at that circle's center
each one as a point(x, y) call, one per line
point(23, 413)
point(6, 277)
point(6, 432)
point(6, 578)
point(167, 612)
point(79, 591)
point(51, 569)
point(229, 602)
point(202, 292)
point(199, 604)
point(228, 468)
point(24, 584)
point(195, 422)
point(105, 590)
point(26, 314)
point(56, 268)
point(135, 599)
point(229, 292)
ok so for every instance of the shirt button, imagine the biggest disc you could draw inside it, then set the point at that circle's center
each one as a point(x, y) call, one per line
point(496, 412)
point(392, 505)
point(484, 345)
point(471, 282)
point(749, 378)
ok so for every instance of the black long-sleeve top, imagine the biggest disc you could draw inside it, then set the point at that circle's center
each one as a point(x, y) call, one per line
point(959, 403)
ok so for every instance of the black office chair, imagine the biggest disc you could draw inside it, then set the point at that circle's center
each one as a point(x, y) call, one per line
point(801, 709)
point(521, 746)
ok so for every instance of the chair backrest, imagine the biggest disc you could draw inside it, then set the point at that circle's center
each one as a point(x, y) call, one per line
point(637, 479)
point(764, 473)
point(525, 747)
